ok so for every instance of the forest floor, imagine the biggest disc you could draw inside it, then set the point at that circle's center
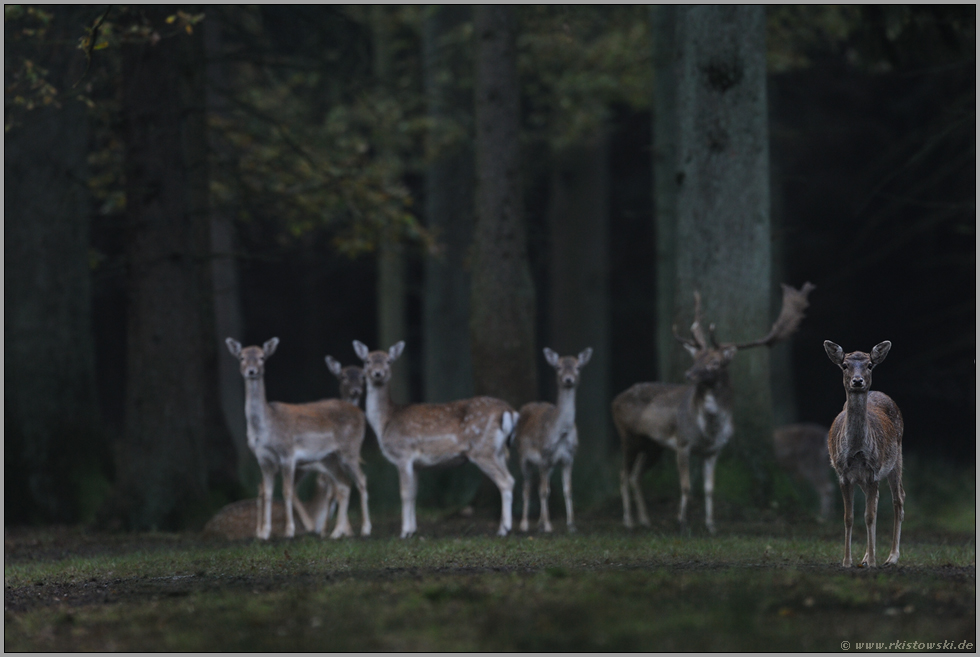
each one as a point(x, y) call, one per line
point(755, 586)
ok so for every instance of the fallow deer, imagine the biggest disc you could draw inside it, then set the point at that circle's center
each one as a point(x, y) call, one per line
point(547, 436)
point(286, 436)
point(415, 436)
point(690, 419)
point(865, 445)
point(801, 450)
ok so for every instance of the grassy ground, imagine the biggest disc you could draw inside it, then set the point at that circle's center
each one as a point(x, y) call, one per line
point(759, 585)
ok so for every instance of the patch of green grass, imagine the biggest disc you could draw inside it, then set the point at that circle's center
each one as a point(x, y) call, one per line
point(607, 590)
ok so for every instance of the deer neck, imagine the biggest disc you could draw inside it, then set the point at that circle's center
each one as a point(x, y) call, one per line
point(256, 410)
point(378, 407)
point(714, 398)
point(565, 405)
point(856, 421)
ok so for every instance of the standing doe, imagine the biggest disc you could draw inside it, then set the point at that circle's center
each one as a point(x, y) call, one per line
point(690, 419)
point(547, 436)
point(414, 436)
point(286, 436)
point(865, 446)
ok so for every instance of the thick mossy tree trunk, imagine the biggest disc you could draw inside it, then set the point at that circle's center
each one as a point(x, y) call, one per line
point(176, 446)
point(719, 171)
point(449, 187)
point(579, 307)
point(53, 443)
point(502, 316)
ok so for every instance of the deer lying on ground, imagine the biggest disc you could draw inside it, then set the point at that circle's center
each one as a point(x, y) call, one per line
point(865, 446)
point(801, 450)
point(286, 436)
point(690, 419)
point(547, 436)
point(415, 436)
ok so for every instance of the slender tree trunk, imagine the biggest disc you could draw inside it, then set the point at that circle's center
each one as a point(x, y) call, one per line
point(578, 221)
point(51, 419)
point(224, 271)
point(721, 175)
point(176, 445)
point(502, 316)
point(392, 269)
point(449, 183)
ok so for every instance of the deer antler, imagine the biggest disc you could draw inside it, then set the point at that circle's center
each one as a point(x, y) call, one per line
point(697, 331)
point(794, 303)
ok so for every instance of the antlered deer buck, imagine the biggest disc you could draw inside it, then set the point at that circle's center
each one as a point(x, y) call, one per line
point(690, 419)
point(865, 446)
point(316, 436)
point(547, 436)
point(478, 430)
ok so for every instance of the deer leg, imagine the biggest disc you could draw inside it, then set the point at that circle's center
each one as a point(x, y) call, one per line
point(870, 521)
point(304, 517)
point(342, 527)
point(407, 488)
point(566, 488)
point(847, 491)
point(526, 476)
point(684, 470)
point(898, 506)
point(288, 487)
point(496, 469)
point(641, 507)
point(624, 491)
point(268, 482)
point(360, 480)
point(709, 489)
point(544, 492)
point(258, 510)
point(322, 500)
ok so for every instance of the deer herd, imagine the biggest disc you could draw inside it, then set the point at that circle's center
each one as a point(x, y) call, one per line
point(864, 442)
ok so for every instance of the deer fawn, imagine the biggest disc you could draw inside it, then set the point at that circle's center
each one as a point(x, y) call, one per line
point(327, 497)
point(287, 436)
point(801, 450)
point(547, 436)
point(865, 446)
point(689, 419)
point(414, 436)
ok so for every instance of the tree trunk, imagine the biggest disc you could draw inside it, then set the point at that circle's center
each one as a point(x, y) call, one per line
point(721, 175)
point(578, 221)
point(449, 183)
point(51, 420)
point(502, 316)
point(175, 445)
point(224, 271)
point(392, 269)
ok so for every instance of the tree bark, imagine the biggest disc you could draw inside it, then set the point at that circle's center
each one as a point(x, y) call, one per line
point(449, 183)
point(51, 417)
point(721, 175)
point(502, 315)
point(392, 269)
point(176, 446)
point(578, 220)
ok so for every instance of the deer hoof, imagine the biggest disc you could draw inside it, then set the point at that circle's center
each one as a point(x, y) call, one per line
point(571, 529)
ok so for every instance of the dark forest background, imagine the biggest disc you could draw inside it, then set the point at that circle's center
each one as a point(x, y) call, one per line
point(325, 192)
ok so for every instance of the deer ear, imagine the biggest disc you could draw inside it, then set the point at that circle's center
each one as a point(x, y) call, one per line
point(585, 356)
point(551, 357)
point(880, 351)
point(395, 351)
point(834, 352)
point(234, 346)
point(361, 350)
point(269, 347)
point(333, 365)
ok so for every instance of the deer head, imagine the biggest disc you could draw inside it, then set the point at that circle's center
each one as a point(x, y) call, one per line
point(857, 365)
point(377, 364)
point(711, 358)
point(252, 359)
point(351, 378)
point(567, 367)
